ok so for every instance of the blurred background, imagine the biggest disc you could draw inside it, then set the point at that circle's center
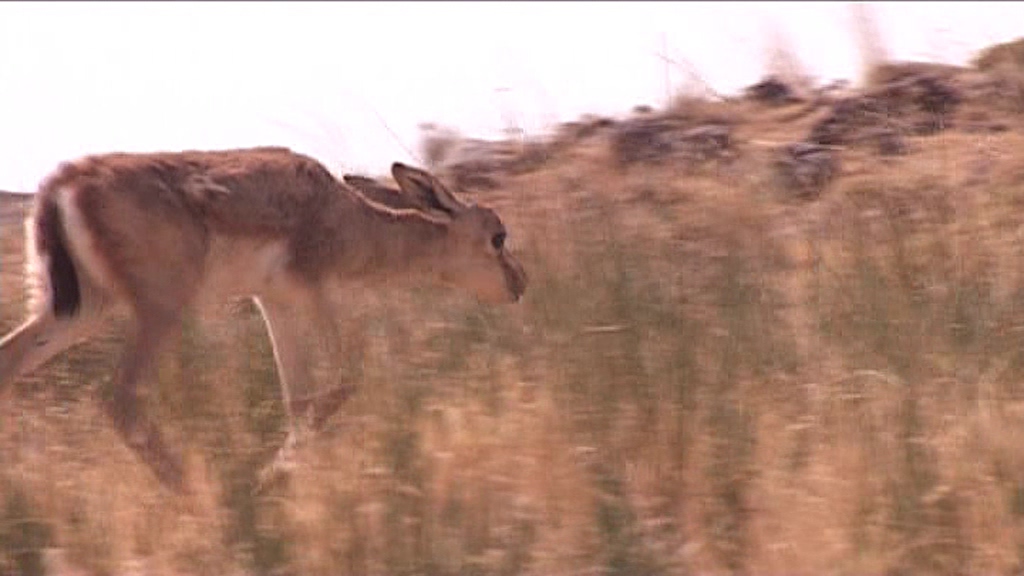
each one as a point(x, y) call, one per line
point(350, 83)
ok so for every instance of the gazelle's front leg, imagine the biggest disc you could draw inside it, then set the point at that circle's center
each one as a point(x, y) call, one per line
point(285, 319)
point(308, 409)
point(285, 322)
point(324, 404)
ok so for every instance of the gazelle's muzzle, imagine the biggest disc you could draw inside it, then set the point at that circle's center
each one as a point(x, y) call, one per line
point(515, 276)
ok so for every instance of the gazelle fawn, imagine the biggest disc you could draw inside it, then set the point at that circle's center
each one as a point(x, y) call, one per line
point(157, 233)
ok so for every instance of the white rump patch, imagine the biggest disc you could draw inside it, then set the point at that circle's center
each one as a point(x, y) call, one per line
point(88, 260)
point(37, 278)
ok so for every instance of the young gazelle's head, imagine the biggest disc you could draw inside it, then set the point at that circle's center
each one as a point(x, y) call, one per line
point(475, 257)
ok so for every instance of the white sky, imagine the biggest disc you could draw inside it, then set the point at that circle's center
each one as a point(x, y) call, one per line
point(349, 82)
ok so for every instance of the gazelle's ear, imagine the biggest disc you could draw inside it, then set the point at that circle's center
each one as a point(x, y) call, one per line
point(359, 182)
point(427, 188)
point(382, 194)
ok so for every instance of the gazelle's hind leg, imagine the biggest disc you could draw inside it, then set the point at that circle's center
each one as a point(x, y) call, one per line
point(37, 340)
point(127, 409)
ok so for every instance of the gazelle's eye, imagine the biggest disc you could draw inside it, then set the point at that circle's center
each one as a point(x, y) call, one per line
point(498, 240)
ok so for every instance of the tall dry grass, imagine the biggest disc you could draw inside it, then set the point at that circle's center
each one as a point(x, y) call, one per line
point(702, 379)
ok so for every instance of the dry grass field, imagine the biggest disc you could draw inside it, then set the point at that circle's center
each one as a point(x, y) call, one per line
point(710, 374)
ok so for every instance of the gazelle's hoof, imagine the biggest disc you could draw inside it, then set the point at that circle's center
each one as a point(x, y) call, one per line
point(277, 472)
point(171, 473)
point(327, 404)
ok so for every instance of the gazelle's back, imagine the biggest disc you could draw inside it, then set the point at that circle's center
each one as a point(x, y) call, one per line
point(252, 192)
point(157, 229)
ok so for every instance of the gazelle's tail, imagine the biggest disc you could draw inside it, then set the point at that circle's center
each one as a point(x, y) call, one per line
point(51, 270)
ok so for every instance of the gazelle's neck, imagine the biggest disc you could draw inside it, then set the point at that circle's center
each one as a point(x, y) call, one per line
point(407, 239)
point(394, 243)
point(352, 240)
